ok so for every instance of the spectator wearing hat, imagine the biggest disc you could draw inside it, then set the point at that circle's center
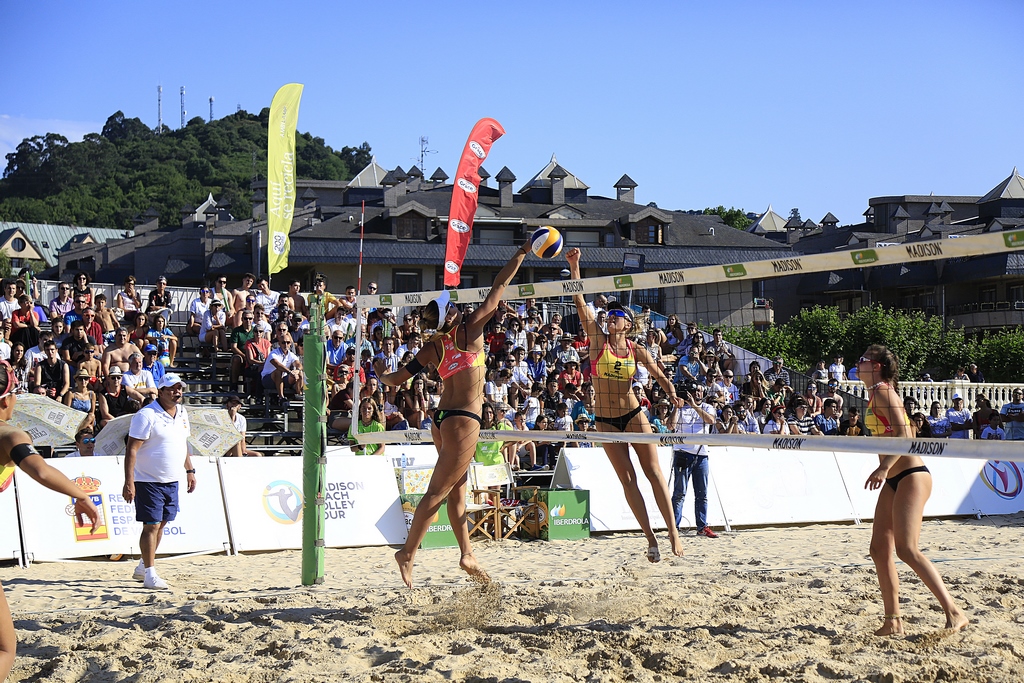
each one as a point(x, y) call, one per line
point(926, 377)
point(233, 404)
point(215, 324)
point(802, 420)
point(820, 373)
point(570, 375)
point(960, 423)
point(139, 383)
point(974, 374)
point(160, 299)
point(565, 353)
point(157, 456)
point(197, 309)
point(151, 362)
point(777, 423)
point(938, 422)
point(661, 419)
point(112, 400)
point(81, 398)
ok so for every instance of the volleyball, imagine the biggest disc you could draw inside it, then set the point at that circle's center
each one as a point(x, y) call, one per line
point(546, 242)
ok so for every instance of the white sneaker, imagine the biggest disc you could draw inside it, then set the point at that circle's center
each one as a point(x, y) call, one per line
point(139, 574)
point(155, 582)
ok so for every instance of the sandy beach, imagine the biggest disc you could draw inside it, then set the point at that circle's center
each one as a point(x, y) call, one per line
point(783, 604)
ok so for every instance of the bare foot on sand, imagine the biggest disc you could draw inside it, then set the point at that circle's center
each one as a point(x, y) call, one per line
point(472, 567)
point(677, 545)
point(404, 566)
point(956, 621)
point(891, 625)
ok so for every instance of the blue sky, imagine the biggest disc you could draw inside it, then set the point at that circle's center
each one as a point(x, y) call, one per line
point(816, 105)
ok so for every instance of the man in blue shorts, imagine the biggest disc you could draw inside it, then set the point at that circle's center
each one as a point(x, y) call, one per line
point(157, 457)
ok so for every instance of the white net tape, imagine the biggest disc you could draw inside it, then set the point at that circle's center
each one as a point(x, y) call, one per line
point(975, 245)
point(945, 448)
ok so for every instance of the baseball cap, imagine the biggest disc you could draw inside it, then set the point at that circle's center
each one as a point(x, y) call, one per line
point(149, 348)
point(957, 395)
point(216, 302)
point(169, 380)
point(114, 372)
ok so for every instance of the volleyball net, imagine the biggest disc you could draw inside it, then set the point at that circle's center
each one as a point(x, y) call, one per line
point(618, 286)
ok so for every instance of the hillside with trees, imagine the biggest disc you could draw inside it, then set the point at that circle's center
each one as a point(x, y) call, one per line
point(111, 176)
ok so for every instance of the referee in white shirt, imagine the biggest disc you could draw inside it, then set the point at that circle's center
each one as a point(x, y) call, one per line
point(157, 457)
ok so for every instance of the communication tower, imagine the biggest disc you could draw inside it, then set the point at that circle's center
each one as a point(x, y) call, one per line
point(182, 106)
point(159, 109)
point(211, 110)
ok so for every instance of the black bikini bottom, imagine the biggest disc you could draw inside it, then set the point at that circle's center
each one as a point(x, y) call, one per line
point(894, 482)
point(441, 415)
point(622, 421)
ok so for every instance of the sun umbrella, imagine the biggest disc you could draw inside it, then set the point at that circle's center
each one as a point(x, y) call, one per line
point(212, 433)
point(48, 422)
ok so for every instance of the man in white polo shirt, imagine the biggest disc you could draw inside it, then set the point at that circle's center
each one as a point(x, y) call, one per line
point(157, 454)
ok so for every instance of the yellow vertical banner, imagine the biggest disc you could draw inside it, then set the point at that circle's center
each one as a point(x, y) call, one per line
point(284, 116)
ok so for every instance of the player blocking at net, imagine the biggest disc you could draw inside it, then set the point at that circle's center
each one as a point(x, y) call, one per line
point(613, 361)
point(456, 348)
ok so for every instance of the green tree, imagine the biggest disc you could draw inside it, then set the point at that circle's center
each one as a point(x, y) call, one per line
point(1001, 356)
point(106, 179)
point(732, 216)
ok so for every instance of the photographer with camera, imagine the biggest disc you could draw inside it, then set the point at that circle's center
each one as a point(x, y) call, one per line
point(692, 461)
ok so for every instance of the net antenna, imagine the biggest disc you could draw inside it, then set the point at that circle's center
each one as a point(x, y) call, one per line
point(425, 150)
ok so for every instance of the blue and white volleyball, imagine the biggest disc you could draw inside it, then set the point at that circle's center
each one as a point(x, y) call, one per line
point(546, 242)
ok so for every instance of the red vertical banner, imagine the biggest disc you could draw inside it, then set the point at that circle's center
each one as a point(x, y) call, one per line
point(465, 196)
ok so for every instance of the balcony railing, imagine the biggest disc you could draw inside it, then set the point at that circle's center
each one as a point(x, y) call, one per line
point(926, 392)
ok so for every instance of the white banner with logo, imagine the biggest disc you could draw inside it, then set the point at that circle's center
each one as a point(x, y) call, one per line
point(51, 532)
point(589, 469)
point(264, 502)
point(10, 530)
point(996, 485)
point(362, 503)
point(758, 487)
point(263, 499)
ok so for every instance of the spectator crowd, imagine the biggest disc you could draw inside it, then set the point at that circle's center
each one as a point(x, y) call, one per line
point(106, 357)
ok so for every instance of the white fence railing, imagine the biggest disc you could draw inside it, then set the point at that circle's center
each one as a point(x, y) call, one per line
point(926, 392)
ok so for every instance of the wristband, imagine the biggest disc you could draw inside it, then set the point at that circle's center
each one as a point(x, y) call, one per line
point(190, 471)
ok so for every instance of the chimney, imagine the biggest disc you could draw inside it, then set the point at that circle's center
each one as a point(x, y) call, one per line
point(558, 176)
point(415, 179)
point(625, 189)
point(484, 175)
point(505, 179)
point(309, 198)
point(390, 183)
point(439, 176)
point(401, 176)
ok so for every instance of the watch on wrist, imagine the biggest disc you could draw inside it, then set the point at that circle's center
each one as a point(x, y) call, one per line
point(190, 471)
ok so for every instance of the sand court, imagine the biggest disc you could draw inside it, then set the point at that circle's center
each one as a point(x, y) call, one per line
point(796, 603)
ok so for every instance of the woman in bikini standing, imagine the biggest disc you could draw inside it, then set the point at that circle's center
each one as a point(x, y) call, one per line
point(613, 360)
point(905, 485)
point(457, 351)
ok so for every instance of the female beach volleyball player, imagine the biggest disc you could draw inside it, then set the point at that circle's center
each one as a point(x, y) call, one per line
point(905, 485)
point(456, 349)
point(613, 360)
point(16, 449)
